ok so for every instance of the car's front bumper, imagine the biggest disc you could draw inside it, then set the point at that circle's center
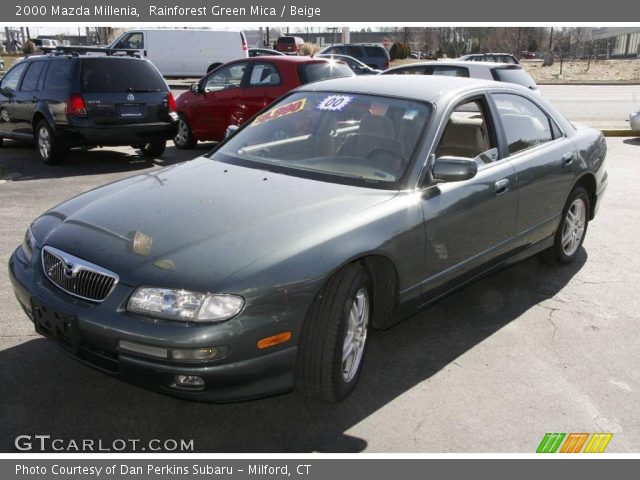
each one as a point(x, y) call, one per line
point(224, 380)
point(634, 122)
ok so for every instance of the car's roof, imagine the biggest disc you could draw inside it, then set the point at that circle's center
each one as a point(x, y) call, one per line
point(460, 63)
point(354, 45)
point(336, 55)
point(284, 59)
point(488, 53)
point(419, 87)
point(49, 56)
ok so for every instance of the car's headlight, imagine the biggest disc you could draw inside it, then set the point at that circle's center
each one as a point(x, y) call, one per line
point(184, 305)
point(28, 244)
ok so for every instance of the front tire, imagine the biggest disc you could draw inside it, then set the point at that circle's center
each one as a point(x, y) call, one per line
point(184, 138)
point(333, 339)
point(153, 149)
point(572, 229)
point(50, 149)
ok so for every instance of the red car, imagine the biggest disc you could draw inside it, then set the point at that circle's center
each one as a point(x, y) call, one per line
point(235, 91)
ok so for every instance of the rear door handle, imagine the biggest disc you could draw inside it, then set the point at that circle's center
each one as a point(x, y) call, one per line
point(34, 99)
point(501, 186)
point(567, 158)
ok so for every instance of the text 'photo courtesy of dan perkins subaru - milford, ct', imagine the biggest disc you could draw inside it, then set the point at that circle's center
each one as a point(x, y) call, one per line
point(307, 240)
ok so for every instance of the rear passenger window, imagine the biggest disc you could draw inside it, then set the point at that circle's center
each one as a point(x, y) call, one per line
point(525, 124)
point(264, 74)
point(468, 134)
point(451, 71)
point(58, 76)
point(411, 71)
point(30, 81)
point(353, 52)
point(10, 80)
point(376, 52)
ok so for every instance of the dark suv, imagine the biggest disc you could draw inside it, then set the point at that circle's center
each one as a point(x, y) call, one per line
point(65, 100)
point(371, 55)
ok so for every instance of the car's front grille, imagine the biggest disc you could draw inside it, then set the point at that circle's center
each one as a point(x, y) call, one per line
point(76, 276)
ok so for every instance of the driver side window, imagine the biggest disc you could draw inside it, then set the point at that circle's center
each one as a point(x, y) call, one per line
point(12, 78)
point(469, 134)
point(133, 40)
point(226, 77)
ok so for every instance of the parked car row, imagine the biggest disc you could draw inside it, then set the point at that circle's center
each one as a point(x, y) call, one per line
point(73, 98)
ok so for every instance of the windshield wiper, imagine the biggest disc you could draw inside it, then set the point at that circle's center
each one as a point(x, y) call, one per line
point(143, 90)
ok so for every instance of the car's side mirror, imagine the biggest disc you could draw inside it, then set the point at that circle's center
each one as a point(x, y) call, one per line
point(231, 129)
point(195, 88)
point(454, 169)
point(7, 92)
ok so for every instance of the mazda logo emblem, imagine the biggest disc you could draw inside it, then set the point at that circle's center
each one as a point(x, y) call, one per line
point(131, 97)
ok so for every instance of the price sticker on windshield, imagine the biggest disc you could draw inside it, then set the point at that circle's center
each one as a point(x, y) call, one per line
point(334, 103)
point(281, 111)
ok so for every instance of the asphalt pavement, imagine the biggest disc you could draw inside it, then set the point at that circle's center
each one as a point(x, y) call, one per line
point(492, 368)
point(599, 106)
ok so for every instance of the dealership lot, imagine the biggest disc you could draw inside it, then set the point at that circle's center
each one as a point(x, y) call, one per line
point(532, 349)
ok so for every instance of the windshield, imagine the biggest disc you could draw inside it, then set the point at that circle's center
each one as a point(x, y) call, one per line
point(514, 75)
point(343, 137)
point(119, 75)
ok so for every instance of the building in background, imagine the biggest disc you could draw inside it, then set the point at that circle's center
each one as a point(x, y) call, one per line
point(615, 42)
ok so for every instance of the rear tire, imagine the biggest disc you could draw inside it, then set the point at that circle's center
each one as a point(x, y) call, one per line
point(153, 149)
point(333, 339)
point(184, 139)
point(50, 149)
point(572, 229)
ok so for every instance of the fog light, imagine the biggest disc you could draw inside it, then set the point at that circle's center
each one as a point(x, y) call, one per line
point(177, 354)
point(198, 354)
point(188, 381)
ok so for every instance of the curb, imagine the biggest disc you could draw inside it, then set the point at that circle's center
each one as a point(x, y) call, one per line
point(620, 83)
point(618, 132)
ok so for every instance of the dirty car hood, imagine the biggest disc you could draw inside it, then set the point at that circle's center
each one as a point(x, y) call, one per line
point(194, 224)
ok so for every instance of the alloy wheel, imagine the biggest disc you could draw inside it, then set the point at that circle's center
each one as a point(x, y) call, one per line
point(44, 142)
point(573, 228)
point(355, 335)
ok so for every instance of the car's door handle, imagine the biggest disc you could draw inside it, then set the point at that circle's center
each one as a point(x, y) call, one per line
point(34, 99)
point(501, 186)
point(567, 158)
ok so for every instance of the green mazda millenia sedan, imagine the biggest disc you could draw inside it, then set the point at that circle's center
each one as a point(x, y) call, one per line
point(342, 208)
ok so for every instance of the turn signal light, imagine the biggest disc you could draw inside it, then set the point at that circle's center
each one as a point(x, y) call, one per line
point(75, 105)
point(274, 340)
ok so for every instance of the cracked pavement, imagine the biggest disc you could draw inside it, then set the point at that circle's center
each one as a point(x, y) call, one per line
point(492, 368)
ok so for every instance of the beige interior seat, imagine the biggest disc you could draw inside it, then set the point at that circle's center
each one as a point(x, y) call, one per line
point(462, 138)
point(375, 132)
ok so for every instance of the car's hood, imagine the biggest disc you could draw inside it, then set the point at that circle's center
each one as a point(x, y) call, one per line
point(194, 224)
